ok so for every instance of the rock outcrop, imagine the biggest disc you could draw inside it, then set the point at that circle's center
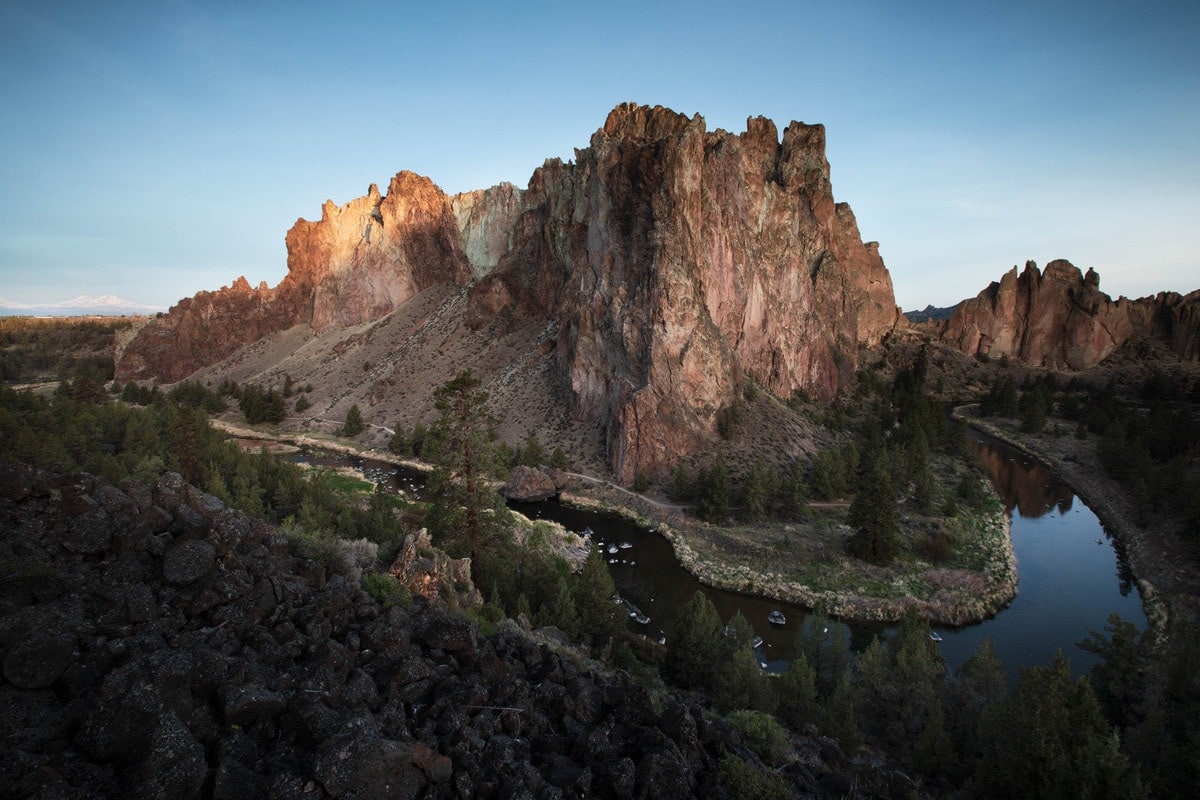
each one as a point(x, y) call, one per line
point(680, 263)
point(1060, 319)
point(676, 265)
point(357, 263)
point(530, 485)
point(430, 573)
point(155, 644)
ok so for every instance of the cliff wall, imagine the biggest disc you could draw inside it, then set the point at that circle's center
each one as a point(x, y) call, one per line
point(675, 263)
point(1060, 319)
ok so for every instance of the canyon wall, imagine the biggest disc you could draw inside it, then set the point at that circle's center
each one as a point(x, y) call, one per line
point(675, 264)
point(1059, 318)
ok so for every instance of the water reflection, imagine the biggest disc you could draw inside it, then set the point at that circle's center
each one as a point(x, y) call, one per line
point(1022, 483)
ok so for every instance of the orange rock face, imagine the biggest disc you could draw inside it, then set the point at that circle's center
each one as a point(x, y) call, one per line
point(1060, 319)
point(679, 263)
point(357, 263)
point(676, 263)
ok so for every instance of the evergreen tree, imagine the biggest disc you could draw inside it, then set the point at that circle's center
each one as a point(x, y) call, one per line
point(466, 515)
point(532, 454)
point(600, 619)
point(354, 424)
point(1047, 739)
point(695, 645)
point(874, 516)
point(759, 487)
point(792, 495)
point(797, 695)
point(562, 612)
point(714, 498)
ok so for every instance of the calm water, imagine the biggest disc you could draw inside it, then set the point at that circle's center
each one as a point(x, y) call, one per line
point(1071, 576)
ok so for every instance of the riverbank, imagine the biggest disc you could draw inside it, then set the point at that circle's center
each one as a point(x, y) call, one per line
point(1161, 566)
point(829, 580)
point(821, 577)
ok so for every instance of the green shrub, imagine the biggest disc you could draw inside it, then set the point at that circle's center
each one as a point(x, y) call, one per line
point(386, 589)
point(746, 783)
point(762, 733)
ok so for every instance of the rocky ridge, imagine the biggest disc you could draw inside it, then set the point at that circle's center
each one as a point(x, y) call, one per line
point(1058, 318)
point(156, 644)
point(675, 265)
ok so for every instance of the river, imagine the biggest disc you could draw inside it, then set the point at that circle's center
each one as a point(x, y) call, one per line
point(1071, 574)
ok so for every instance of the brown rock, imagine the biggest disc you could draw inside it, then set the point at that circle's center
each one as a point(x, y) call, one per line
point(432, 574)
point(676, 264)
point(1060, 319)
point(529, 485)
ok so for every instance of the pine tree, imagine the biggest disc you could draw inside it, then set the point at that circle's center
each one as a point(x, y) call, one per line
point(466, 514)
point(714, 498)
point(600, 619)
point(792, 495)
point(696, 644)
point(532, 454)
point(874, 516)
point(797, 692)
point(354, 422)
point(1048, 739)
point(760, 486)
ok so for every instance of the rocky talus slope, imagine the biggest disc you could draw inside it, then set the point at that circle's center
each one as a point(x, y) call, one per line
point(155, 644)
point(1059, 318)
point(669, 264)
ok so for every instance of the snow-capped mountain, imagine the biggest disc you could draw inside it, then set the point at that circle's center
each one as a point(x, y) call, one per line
point(83, 305)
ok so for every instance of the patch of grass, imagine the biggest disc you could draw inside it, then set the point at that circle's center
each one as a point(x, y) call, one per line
point(347, 484)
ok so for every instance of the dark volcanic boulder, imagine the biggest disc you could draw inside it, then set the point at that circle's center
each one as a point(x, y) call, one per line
point(175, 674)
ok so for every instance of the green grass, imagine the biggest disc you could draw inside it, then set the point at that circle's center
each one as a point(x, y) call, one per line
point(346, 484)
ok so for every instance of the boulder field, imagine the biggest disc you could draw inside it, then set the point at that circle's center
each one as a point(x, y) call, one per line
point(156, 644)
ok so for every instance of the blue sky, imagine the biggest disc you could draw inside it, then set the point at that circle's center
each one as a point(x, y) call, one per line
point(155, 149)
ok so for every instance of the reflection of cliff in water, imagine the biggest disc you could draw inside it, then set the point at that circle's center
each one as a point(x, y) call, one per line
point(1022, 483)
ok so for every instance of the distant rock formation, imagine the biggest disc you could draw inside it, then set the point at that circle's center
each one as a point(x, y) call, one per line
point(676, 264)
point(930, 312)
point(1060, 319)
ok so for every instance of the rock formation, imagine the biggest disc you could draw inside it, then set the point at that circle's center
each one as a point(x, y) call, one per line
point(432, 574)
point(675, 264)
point(529, 485)
point(1060, 319)
point(156, 644)
point(356, 264)
point(679, 263)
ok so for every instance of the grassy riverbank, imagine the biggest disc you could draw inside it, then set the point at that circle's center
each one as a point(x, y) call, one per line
point(809, 564)
point(811, 567)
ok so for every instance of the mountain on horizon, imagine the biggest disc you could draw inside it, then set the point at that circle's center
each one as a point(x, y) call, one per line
point(81, 305)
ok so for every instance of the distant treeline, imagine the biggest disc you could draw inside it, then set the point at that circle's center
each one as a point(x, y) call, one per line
point(1148, 441)
point(37, 349)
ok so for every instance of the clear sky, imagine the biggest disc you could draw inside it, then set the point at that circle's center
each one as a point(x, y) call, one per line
point(154, 149)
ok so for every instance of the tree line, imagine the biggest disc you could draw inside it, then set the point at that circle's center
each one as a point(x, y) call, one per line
point(1148, 440)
